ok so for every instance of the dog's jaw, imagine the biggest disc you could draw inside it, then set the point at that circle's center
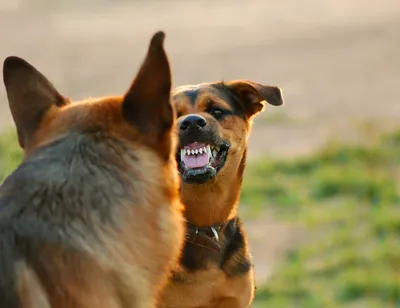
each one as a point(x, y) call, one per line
point(199, 163)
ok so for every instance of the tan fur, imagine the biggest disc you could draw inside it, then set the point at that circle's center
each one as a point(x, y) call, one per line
point(210, 288)
point(125, 257)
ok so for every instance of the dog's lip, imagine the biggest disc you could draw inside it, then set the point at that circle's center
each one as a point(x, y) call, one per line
point(194, 146)
point(198, 145)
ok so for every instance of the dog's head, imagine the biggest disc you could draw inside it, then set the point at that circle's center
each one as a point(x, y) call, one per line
point(143, 115)
point(133, 131)
point(214, 122)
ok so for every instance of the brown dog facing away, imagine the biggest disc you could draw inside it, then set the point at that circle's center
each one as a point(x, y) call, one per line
point(91, 217)
point(214, 123)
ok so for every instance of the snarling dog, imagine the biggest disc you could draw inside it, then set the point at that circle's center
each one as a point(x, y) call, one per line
point(91, 217)
point(214, 123)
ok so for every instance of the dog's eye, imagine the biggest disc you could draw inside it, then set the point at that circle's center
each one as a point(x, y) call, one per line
point(217, 113)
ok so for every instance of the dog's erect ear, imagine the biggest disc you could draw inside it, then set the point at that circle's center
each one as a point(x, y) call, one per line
point(252, 95)
point(30, 96)
point(147, 103)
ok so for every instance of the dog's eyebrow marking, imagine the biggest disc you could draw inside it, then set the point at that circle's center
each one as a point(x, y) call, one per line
point(192, 95)
point(214, 100)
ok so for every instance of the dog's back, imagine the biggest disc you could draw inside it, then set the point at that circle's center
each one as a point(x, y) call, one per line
point(91, 218)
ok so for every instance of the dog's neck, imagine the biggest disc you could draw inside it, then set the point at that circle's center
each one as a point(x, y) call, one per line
point(213, 202)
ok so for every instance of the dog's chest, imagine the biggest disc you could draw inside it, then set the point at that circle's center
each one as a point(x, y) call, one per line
point(199, 289)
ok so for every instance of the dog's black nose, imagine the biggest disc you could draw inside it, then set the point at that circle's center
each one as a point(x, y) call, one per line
point(192, 121)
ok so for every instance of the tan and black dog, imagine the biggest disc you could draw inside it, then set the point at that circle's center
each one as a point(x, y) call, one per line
point(91, 217)
point(214, 122)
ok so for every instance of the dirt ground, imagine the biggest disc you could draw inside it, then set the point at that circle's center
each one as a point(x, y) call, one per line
point(337, 62)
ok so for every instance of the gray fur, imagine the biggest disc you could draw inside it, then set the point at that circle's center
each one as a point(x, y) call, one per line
point(64, 191)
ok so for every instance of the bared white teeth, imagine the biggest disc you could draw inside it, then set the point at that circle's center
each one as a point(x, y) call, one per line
point(209, 149)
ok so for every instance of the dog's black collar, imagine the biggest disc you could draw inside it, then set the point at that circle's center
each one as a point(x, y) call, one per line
point(208, 237)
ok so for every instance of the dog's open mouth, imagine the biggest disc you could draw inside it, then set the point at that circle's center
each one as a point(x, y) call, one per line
point(200, 162)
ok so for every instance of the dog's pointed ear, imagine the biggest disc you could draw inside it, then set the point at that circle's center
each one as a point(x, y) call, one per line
point(30, 96)
point(252, 95)
point(147, 103)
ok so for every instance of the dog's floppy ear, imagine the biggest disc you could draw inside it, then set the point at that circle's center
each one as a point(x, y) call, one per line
point(252, 95)
point(147, 103)
point(30, 96)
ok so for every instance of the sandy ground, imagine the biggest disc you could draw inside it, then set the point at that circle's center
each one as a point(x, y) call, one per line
point(337, 62)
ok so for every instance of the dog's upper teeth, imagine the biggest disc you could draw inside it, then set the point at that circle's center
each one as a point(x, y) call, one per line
point(182, 154)
point(193, 152)
point(201, 151)
point(217, 148)
point(196, 151)
point(208, 150)
point(188, 152)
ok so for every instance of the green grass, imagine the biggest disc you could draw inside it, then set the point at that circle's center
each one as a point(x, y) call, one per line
point(349, 199)
point(10, 154)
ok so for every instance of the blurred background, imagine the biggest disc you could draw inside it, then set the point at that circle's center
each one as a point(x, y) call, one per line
point(321, 198)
